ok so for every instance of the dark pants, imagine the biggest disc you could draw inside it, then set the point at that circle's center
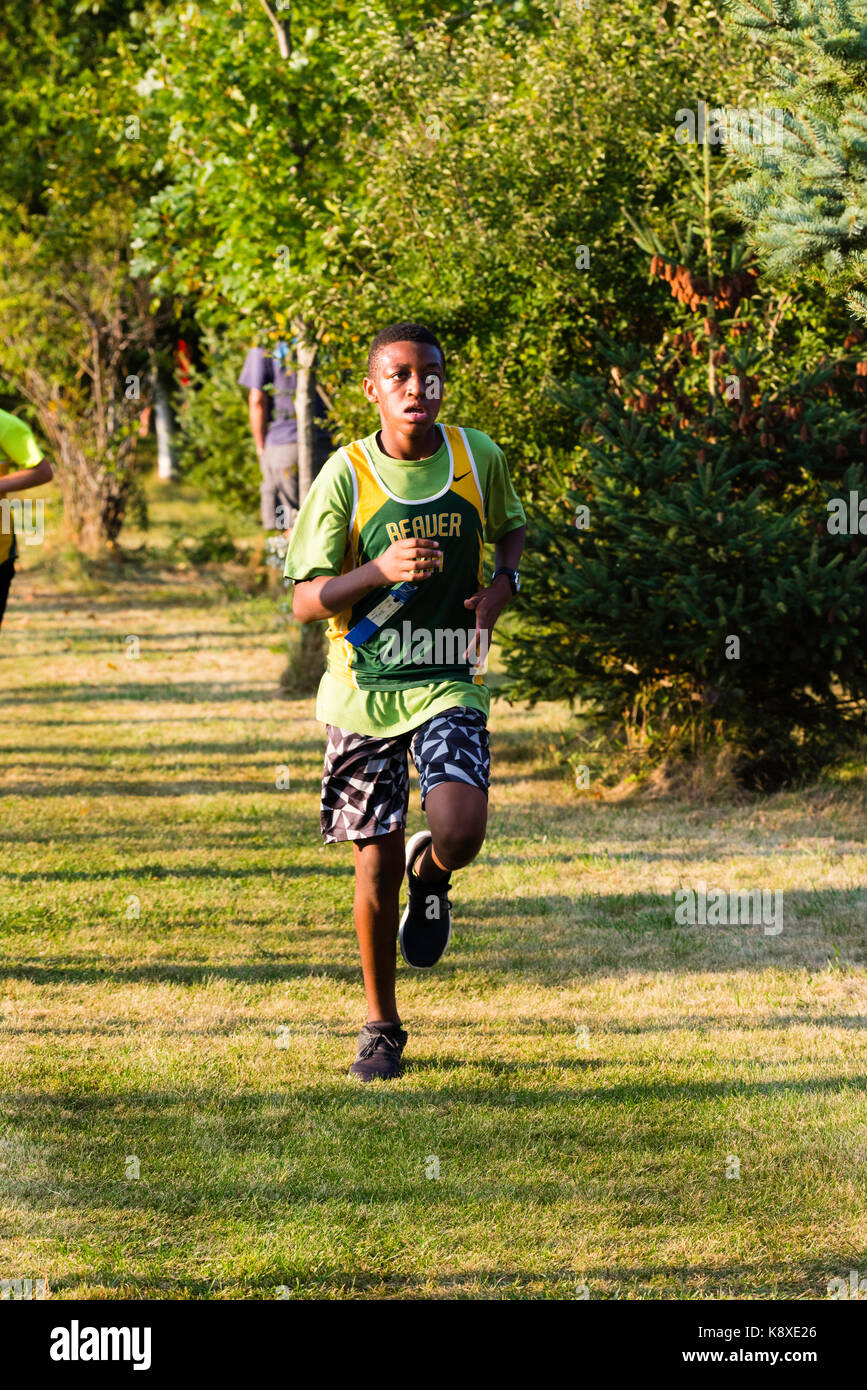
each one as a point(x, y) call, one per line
point(7, 569)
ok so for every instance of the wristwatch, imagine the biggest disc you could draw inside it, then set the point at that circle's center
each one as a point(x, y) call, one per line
point(512, 576)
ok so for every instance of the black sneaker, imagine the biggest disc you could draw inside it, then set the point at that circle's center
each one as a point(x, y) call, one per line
point(379, 1051)
point(426, 924)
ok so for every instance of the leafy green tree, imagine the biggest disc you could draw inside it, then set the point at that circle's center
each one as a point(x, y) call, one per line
point(450, 170)
point(76, 341)
point(214, 429)
point(246, 118)
point(78, 333)
point(502, 164)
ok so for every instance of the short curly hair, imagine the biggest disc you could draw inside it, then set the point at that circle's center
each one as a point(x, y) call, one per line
point(402, 333)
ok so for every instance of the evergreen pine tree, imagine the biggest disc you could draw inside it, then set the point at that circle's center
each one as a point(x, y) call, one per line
point(805, 201)
point(691, 585)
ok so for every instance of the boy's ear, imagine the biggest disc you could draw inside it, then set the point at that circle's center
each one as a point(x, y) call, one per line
point(369, 389)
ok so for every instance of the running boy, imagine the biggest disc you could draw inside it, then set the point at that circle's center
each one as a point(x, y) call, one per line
point(17, 447)
point(410, 504)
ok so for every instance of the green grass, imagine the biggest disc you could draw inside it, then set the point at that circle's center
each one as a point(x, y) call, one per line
point(209, 1036)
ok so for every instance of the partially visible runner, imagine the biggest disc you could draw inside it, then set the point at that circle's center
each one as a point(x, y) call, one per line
point(22, 466)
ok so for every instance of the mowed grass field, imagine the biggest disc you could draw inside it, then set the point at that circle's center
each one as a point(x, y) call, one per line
point(180, 997)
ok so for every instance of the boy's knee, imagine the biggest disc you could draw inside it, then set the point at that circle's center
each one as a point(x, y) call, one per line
point(457, 847)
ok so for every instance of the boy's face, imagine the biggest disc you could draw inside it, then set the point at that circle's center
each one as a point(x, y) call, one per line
point(407, 385)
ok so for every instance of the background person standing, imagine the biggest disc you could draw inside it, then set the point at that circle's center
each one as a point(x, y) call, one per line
point(275, 432)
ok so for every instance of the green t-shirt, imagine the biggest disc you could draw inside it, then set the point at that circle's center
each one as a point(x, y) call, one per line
point(18, 444)
point(346, 519)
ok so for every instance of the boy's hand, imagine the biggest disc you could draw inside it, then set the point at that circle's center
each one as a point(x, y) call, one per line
point(408, 561)
point(487, 604)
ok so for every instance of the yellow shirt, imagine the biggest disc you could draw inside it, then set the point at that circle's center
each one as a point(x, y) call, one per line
point(319, 546)
point(18, 449)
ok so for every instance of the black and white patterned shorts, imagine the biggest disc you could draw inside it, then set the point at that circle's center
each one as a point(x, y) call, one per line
point(365, 786)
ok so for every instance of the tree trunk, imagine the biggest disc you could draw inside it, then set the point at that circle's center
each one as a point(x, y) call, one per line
point(94, 500)
point(164, 427)
point(708, 245)
point(303, 676)
point(305, 415)
point(281, 27)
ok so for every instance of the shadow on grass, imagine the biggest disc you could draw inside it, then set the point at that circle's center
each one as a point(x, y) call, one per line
point(638, 911)
point(703, 1024)
point(61, 603)
point(401, 1097)
point(240, 834)
point(70, 970)
point(594, 859)
point(150, 872)
point(153, 642)
point(162, 692)
point(616, 933)
point(208, 750)
point(770, 1279)
point(134, 787)
point(98, 722)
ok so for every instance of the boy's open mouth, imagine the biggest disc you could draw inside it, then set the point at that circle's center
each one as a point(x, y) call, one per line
point(416, 412)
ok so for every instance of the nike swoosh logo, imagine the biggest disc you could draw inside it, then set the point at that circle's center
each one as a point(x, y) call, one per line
point(463, 475)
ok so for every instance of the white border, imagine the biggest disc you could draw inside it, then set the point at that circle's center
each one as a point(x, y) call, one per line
point(351, 466)
point(463, 434)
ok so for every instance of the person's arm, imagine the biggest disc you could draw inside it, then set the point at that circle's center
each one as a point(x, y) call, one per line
point(409, 561)
point(506, 526)
point(27, 477)
point(488, 604)
point(258, 418)
point(507, 553)
point(256, 374)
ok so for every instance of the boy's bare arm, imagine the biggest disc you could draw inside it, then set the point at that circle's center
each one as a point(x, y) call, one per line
point(328, 594)
point(27, 477)
point(509, 549)
point(488, 603)
point(404, 561)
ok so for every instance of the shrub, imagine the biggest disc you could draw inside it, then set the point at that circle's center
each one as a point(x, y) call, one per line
point(700, 593)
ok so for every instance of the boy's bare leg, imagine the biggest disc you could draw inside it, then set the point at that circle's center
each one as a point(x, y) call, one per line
point(457, 815)
point(379, 869)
